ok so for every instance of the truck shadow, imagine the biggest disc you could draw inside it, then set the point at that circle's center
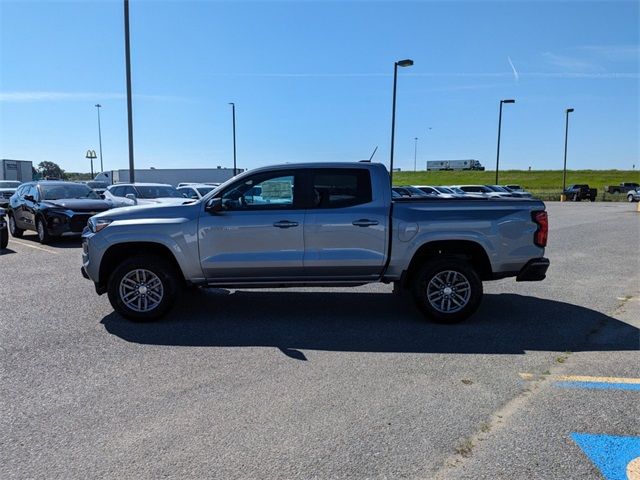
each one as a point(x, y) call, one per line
point(375, 322)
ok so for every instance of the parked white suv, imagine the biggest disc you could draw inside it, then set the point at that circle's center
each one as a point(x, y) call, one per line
point(128, 194)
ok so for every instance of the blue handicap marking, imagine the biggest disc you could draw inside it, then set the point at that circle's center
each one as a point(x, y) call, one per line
point(618, 458)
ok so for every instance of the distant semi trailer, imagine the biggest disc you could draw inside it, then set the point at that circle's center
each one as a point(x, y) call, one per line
point(454, 165)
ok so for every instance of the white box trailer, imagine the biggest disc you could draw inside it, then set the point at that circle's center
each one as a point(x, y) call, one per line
point(20, 170)
point(454, 165)
point(171, 176)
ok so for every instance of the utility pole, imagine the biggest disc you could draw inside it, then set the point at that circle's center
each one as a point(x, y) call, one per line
point(127, 49)
point(100, 137)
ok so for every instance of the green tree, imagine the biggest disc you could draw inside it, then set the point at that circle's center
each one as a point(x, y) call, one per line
point(50, 170)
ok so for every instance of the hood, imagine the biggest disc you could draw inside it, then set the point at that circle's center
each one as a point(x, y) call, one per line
point(152, 210)
point(79, 204)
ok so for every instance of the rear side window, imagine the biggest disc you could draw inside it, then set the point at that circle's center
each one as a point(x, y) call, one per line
point(337, 188)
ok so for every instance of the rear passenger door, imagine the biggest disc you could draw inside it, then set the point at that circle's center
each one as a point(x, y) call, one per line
point(345, 231)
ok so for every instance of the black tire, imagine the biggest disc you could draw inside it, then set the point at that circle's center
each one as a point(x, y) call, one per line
point(4, 238)
point(576, 198)
point(161, 269)
point(13, 227)
point(466, 276)
point(630, 198)
point(41, 230)
point(592, 199)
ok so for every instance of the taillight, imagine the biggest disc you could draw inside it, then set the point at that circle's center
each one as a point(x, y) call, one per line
point(542, 232)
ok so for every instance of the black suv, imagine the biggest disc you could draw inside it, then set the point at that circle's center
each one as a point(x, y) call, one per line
point(53, 208)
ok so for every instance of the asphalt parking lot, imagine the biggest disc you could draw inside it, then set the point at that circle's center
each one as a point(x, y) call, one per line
point(329, 384)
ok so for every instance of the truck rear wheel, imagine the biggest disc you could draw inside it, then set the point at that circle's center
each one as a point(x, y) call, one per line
point(142, 288)
point(447, 290)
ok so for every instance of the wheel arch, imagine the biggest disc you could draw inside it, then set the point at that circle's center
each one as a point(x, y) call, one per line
point(468, 250)
point(118, 252)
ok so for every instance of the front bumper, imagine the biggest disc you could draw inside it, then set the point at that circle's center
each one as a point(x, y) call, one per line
point(534, 270)
point(59, 224)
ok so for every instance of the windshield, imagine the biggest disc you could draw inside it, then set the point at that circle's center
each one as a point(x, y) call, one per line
point(9, 184)
point(71, 190)
point(457, 190)
point(158, 191)
point(443, 189)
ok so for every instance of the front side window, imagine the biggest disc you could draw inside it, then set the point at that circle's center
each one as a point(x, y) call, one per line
point(339, 188)
point(261, 192)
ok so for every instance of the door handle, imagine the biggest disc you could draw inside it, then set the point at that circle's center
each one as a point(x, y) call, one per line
point(285, 224)
point(363, 222)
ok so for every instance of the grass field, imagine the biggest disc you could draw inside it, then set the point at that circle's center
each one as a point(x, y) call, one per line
point(546, 184)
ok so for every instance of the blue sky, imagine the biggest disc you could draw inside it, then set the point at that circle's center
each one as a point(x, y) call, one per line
point(312, 81)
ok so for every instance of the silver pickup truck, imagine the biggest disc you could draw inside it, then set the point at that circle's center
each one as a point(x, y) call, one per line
point(327, 224)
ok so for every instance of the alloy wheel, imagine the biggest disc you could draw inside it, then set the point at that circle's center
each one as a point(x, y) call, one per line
point(448, 291)
point(141, 290)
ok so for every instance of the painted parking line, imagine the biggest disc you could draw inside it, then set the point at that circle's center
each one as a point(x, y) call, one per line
point(584, 378)
point(35, 246)
point(617, 458)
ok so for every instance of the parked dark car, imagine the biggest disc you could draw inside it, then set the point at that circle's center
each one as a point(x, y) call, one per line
point(53, 208)
point(624, 187)
point(4, 232)
point(580, 192)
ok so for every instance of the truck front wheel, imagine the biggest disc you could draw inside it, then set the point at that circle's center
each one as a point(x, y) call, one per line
point(142, 288)
point(447, 290)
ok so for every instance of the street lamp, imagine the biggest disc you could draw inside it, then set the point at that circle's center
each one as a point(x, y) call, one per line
point(91, 155)
point(127, 53)
point(401, 63)
point(415, 155)
point(499, 128)
point(97, 105)
point(233, 113)
point(566, 134)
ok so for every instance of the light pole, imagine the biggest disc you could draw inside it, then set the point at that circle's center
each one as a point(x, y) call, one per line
point(91, 155)
point(566, 135)
point(499, 128)
point(97, 105)
point(127, 52)
point(233, 114)
point(401, 63)
point(415, 155)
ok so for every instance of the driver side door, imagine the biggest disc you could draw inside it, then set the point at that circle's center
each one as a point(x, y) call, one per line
point(258, 235)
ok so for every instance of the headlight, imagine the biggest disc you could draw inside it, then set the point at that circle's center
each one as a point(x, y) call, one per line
point(97, 224)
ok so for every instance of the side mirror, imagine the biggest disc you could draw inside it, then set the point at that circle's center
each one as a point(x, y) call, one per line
point(30, 198)
point(214, 206)
point(131, 196)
